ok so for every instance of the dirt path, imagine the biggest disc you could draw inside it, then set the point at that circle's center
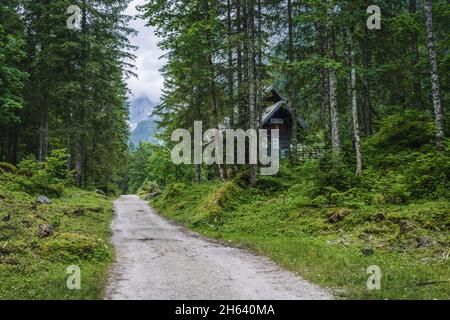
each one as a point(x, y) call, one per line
point(156, 259)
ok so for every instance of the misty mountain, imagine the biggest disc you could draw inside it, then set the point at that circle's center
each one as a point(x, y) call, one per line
point(140, 110)
point(145, 132)
point(143, 126)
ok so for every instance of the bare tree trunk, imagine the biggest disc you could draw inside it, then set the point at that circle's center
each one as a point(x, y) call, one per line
point(197, 109)
point(69, 139)
point(291, 78)
point(198, 173)
point(79, 152)
point(367, 113)
point(259, 70)
point(245, 65)
point(79, 161)
point(251, 78)
point(417, 88)
point(356, 133)
point(290, 31)
point(9, 145)
point(221, 167)
point(230, 78)
point(43, 130)
point(435, 88)
point(324, 82)
point(334, 114)
point(241, 120)
point(212, 80)
point(238, 101)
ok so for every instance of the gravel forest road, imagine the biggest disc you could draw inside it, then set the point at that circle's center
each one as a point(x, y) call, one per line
point(157, 259)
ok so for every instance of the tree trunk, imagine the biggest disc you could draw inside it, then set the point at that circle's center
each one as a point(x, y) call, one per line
point(251, 78)
point(367, 113)
point(212, 81)
point(198, 173)
point(79, 161)
point(230, 82)
point(290, 31)
point(356, 133)
point(245, 65)
point(220, 165)
point(79, 152)
point(241, 118)
point(334, 114)
point(69, 139)
point(43, 130)
point(417, 88)
point(435, 88)
point(291, 91)
point(324, 82)
point(259, 71)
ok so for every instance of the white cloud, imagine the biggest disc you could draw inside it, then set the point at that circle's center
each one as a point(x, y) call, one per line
point(150, 81)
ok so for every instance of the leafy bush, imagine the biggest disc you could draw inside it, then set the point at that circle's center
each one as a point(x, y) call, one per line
point(402, 160)
point(410, 130)
point(270, 184)
point(429, 175)
point(385, 187)
point(332, 173)
point(56, 164)
point(48, 178)
point(172, 190)
point(149, 187)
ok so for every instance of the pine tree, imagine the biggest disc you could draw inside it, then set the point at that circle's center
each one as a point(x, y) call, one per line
point(12, 78)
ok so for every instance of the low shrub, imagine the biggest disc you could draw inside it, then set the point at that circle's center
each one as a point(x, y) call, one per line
point(213, 207)
point(149, 187)
point(6, 167)
point(47, 178)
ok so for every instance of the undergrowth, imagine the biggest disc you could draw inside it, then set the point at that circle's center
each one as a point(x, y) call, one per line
point(38, 242)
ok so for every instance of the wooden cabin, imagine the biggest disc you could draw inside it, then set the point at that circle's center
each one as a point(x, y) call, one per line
point(277, 113)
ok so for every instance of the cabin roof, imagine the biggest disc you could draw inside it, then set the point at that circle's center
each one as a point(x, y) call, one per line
point(272, 95)
point(280, 103)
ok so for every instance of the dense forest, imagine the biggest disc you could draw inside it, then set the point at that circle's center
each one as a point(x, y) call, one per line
point(65, 88)
point(63, 127)
point(373, 96)
point(364, 92)
point(365, 182)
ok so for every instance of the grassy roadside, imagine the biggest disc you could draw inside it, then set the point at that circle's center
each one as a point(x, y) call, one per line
point(33, 265)
point(331, 246)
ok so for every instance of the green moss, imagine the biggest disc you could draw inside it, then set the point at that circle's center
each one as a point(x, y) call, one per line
point(35, 268)
point(7, 167)
point(217, 202)
point(74, 247)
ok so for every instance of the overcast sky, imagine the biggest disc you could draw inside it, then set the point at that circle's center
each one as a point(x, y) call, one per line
point(149, 82)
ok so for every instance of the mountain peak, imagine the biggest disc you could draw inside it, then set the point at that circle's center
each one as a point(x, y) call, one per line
point(140, 110)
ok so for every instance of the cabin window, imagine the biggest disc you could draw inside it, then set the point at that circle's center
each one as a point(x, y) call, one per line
point(276, 121)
